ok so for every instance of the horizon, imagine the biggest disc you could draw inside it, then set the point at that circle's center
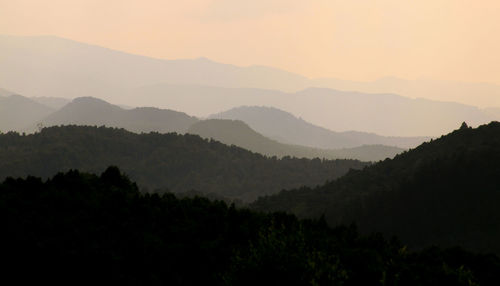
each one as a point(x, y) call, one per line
point(356, 41)
point(205, 58)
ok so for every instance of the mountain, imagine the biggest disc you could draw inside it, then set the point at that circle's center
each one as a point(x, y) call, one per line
point(477, 94)
point(50, 66)
point(235, 132)
point(444, 192)
point(383, 114)
point(93, 111)
point(18, 112)
point(290, 129)
point(162, 161)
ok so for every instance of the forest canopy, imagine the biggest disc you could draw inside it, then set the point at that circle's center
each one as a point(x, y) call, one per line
point(82, 228)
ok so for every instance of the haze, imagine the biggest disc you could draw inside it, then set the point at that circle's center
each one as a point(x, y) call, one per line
point(353, 40)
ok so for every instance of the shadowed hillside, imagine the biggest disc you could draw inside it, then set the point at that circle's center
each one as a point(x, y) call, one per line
point(163, 161)
point(84, 227)
point(445, 192)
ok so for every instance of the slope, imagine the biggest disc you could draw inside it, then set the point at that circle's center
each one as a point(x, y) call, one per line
point(17, 112)
point(101, 228)
point(235, 132)
point(162, 161)
point(290, 129)
point(93, 111)
point(444, 192)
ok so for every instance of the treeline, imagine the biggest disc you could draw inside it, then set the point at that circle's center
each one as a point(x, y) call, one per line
point(160, 162)
point(79, 228)
point(445, 192)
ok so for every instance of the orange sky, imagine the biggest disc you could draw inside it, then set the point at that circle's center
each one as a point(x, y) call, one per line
point(347, 39)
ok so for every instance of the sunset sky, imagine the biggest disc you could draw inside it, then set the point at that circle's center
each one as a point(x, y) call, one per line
point(350, 39)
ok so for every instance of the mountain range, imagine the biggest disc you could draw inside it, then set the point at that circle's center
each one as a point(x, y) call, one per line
point(238, 133)
point(290, 129)
point(95, 112)
point(163, 162)
point(47, 66)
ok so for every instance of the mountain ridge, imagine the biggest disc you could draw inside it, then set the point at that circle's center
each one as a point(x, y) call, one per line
point(238, 133)
point(443, 192)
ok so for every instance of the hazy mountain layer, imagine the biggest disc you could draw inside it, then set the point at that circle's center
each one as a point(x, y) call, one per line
point(18, 112)
point(4, 92)
point(235, 132)
point(169, 161)
point(287, 128)
point(476, 94)
point(383, 114)
point(445, 192)
point(53, 102)
point(96, 112)
point(49, 66)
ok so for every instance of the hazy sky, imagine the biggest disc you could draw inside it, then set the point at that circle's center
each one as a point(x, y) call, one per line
point(348, 39)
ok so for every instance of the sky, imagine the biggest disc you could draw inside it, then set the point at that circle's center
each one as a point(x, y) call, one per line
point(360, 40)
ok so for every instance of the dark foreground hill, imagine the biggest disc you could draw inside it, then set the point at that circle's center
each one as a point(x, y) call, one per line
point(79, 228)
point(446, 192)
point(167, 161)
point(235, 132)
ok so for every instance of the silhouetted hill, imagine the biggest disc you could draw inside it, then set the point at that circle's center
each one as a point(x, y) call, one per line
point(163, 161)
point(84, 228)
point(444, 192)
point(235, 132)
point(18, 112)
point(95, 112)
point(287, 128)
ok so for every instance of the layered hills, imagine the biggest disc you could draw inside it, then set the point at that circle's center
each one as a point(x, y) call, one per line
point(48, 66)
point(444, 192)
point(290, 129)
point(236, 132)
point(92, 111)
point(161, 162)
point(101, 228)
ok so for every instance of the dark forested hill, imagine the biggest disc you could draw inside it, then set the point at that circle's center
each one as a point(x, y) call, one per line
point(289, 129)
point(18, 112)
point(177, 162)
point(93, 111)
point(443, 192)
point(82, 228)
point(236, 132)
